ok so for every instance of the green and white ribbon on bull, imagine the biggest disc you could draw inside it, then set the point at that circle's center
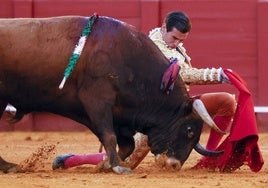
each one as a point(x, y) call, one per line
point(78, 49)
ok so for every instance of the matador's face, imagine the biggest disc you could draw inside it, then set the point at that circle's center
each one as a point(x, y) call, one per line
point(174, 37)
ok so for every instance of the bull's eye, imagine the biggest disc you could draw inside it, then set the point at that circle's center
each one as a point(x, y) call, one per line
point(190, 132)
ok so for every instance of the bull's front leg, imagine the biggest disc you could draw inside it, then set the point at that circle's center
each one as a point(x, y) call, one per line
point(106, 134)
point(98, 103)
point(126, 146)
point(109, 142)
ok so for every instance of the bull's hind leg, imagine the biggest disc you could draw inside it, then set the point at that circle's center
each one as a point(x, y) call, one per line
point(3, 105)
point(10, 115)
point(4, 165)
point(7, 167)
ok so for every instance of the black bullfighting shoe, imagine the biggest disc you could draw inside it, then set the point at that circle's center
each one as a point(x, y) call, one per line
point(59, 162)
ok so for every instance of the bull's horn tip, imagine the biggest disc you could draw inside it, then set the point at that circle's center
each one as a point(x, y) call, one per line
point(221, 132)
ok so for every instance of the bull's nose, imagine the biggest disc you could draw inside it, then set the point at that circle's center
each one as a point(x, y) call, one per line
point(169, 163)
point(173, 164)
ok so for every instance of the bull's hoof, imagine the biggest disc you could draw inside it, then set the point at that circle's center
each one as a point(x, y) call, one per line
point(106, 167)
point(103, 166)
point(121, 170)
point(59, 162)
point(7, 167)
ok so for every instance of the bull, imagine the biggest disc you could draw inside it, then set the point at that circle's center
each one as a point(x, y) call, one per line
point(114, 89)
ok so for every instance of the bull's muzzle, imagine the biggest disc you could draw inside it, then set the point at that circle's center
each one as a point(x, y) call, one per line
point(168, 163)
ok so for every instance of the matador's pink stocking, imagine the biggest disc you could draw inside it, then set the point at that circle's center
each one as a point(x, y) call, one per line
point(77, 160)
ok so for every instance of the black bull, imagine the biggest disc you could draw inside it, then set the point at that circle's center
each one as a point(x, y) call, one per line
point(114, 89)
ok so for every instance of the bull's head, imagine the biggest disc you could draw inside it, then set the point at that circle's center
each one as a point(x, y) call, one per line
point(172, 148)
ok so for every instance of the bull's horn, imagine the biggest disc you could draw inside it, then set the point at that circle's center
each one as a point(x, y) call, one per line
point(201, 150)
point(202, 111)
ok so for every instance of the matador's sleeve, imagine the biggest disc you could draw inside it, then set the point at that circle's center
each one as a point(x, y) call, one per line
point(194, 76)
point(189, 74)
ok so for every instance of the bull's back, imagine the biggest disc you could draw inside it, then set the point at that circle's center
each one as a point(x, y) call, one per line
point(29, 44)
point(33, 56)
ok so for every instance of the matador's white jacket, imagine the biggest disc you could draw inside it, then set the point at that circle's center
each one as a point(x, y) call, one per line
point(189, 74)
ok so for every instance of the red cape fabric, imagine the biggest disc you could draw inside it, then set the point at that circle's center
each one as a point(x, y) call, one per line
point(241, 146)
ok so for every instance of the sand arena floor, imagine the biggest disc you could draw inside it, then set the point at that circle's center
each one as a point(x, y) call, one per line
point(36, 151)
